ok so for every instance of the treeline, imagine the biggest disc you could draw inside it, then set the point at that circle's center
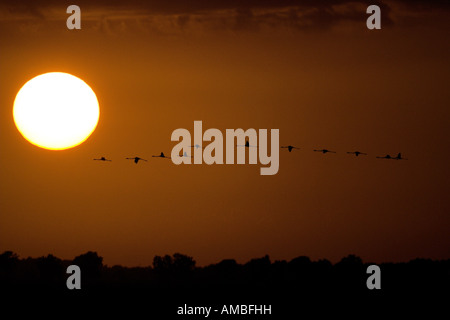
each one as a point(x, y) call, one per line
point(257, 275)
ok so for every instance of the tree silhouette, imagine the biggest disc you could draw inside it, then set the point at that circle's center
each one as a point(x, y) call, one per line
point(183, 263)
point(8, 260)
point(350, 273)
point(162, 264)
point(51, 270)
point(178, 263)
point(8, 266)
point(176, 278)
point(91, 265)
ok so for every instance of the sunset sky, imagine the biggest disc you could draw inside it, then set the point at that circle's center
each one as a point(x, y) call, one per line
point(313, 71)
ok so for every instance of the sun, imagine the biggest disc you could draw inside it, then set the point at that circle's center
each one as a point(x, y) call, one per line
point(56, 111)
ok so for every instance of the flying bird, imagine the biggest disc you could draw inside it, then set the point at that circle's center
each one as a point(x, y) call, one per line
point(399, 157)
point(385, 157)
point(357, 153)
point(136, 159)
point(197, 146)
point(161, 156)
point(324, 151)
point(247, 145)
point(290, 148)
point(102, 159)
point(185, 155)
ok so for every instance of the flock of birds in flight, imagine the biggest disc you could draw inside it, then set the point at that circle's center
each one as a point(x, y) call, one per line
point(247, 145)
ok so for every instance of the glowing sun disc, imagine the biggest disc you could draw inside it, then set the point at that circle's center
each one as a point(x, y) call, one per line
point(56, 111)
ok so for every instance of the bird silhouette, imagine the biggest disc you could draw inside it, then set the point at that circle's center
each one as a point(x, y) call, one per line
point(290, 148)
point(102, 159)
point(197, 146)
point(161, 156)
point(357, 153)
point(247, 145)
point(324, 151)
point(399, 157)
point(136, 159)
point(185, 155)
point(385, 157)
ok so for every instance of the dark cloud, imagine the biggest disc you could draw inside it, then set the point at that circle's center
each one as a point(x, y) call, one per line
point(218, 14)
point(202, 6)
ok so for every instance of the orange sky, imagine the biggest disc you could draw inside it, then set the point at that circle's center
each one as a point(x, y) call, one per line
point(313, 72)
